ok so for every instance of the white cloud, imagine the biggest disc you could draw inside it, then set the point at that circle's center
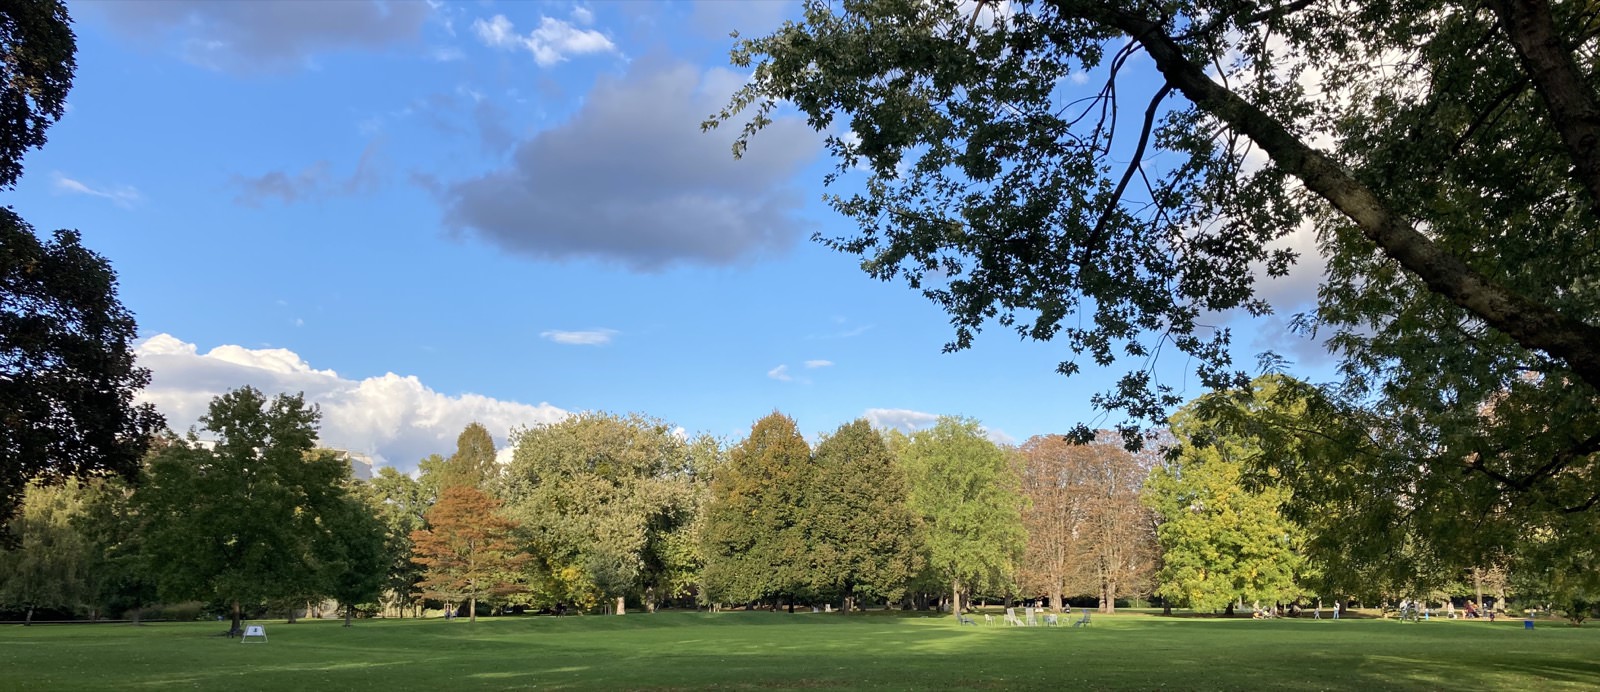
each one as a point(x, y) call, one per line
point(495, 33)
point(587, 337)
point(819, 363)
point(582, 15)
point(122, 195)
point(902, 419)
point(446, 54)
point(551, 43)
point(397, 419)
point(781, 374)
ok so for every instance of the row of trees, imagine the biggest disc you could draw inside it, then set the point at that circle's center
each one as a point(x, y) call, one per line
point(599, 511)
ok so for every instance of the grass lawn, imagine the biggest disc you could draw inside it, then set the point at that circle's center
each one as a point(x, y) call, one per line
point(761, 650)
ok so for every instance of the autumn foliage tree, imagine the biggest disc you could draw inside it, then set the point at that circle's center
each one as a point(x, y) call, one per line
point(1087, 531)
point(467, 552)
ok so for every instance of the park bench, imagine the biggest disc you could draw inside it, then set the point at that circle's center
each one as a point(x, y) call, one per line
point(1083, 621)
point(966, 620)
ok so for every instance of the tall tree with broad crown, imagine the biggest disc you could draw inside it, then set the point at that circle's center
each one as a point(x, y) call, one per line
point(967, 495)
point(754, 534)
point(239, 523)
point(602, 498)
point(1222, 536)
point(860, 535)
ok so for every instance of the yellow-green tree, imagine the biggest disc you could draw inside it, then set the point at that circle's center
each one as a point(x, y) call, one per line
point(1221, 539)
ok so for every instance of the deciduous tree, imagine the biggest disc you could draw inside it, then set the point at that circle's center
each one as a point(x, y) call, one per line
point(50, 567)
point(967, 496)
point(1221, 538)
point(67, 371)
point(754, 537)
point(467, 551)
point(860, 535)
point(1439, 149)
point(238, 522)
point(604, 494)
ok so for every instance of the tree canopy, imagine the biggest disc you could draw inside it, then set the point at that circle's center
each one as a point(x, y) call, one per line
point(36, 38)
point(968, 498)
point(1438, 150)
point(67, 371)
point(241, 522)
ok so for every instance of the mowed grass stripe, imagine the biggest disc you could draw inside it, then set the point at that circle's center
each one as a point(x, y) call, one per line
point(681, 650)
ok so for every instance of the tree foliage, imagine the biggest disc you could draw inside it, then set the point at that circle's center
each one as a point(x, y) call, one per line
point(467, 551)
point(50, 568)
point(754, 534)
point(860, 535)
point(67, 371)
point(1222, 539)
point(241, 523)
point(967, 496)
point(1088, 534)
point(402, 506)
point(605, 502)
point(40, 50)
point(472, 465)
point(1439, 149)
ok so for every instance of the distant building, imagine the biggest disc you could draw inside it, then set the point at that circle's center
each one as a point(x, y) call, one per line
point(360, 463)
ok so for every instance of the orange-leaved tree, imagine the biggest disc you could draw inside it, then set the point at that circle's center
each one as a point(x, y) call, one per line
point(467, 552)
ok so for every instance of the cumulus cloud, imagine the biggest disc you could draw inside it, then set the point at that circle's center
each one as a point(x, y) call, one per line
point(819, 363)
point(264, 35)
point(902, 419)
point(781, 374)
point(587, 337)
point(630, 179)
point(551, 43)
point(121, 195)
point(395, 418)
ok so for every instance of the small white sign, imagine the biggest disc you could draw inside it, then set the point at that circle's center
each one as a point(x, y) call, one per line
point(254, 631)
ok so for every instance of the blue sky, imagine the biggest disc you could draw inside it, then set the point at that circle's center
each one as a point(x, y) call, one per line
point(424, 214)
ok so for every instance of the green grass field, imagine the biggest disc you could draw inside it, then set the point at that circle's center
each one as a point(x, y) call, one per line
point(762, 650)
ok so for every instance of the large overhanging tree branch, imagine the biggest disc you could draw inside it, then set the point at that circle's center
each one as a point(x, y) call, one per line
point(1439, 147)
point(1530, 323)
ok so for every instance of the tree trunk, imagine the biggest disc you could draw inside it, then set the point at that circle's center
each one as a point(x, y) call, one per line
point(472, 608)
point(235, 627)
point(349, 610)
point(1108, 596)
point(1229, 611)
point(955, 597)
point(1055, 597)
point(27, 620)
point(292, 611)
point(1477, 585)
point(622, 606)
